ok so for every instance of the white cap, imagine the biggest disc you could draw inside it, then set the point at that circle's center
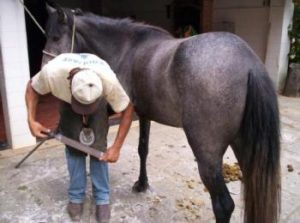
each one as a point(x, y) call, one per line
point(86, 88)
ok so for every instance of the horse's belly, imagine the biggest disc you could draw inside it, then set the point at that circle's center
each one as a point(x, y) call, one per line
point(157, 100)
point(153, 85)
point(163, 112)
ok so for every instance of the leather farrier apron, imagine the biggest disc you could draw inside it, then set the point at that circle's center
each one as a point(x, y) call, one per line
point(71, 124)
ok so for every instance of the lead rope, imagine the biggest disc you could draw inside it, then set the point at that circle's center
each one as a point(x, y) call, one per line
point(49, 54)
point(32, 17)
point(44, 32)
point(73, 34)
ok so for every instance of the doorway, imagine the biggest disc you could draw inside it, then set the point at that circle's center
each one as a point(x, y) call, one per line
point(186, 17)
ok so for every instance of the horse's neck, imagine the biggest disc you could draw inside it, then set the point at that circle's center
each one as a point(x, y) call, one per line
point(120, 47)
point(117, 44)
point(106, 44)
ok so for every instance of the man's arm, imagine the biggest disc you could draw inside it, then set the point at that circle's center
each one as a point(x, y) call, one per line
point(112, 154)
point(32, 98)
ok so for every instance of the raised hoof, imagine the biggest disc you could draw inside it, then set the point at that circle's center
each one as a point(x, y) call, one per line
point(140, 187)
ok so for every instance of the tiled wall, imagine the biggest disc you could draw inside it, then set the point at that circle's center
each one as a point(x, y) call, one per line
point(16, 72)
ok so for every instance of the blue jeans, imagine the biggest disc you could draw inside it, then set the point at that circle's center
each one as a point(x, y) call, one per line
point(77, 172)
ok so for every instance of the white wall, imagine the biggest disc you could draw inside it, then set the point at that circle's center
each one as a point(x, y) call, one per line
point(285, 44)
point(278, 42)
point(15, 73)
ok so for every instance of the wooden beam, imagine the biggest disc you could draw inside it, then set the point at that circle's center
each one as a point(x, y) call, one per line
point(206, 15)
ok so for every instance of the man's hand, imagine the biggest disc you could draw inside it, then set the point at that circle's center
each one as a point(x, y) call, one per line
point(32, 98)
point(38, 130)
point(112, 155)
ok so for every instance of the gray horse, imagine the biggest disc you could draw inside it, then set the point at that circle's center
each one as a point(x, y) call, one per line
point(212, 85)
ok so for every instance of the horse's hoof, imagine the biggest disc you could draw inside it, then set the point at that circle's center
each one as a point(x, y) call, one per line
point(140, 187)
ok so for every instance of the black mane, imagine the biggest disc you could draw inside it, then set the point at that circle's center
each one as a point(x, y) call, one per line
point(123, 23)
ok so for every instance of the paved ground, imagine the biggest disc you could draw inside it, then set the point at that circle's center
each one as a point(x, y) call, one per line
point(37, 191)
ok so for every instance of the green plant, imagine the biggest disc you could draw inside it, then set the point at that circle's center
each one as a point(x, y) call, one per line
point(294, 34)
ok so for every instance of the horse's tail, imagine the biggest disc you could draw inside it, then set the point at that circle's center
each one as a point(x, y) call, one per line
point(260, 132)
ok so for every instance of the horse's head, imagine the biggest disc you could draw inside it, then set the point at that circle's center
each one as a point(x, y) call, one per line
point(59, 31)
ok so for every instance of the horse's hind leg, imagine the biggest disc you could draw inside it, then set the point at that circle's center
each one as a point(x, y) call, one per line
point(209, 153)
point(142, 184)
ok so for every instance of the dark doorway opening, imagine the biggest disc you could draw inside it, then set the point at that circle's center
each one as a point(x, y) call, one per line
point(186, 17)
point(35, 38)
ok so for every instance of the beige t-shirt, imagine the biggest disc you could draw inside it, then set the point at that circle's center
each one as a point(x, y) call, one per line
point(53, 78)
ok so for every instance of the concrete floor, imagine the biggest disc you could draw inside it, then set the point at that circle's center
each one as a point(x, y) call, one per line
point(37, 191)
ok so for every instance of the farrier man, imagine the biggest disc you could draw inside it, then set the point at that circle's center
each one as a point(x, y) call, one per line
point(85, 84)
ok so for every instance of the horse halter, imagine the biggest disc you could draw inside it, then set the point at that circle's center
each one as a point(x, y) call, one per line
point(72, 40)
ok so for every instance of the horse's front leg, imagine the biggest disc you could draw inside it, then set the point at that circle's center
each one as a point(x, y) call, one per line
point(142, 184)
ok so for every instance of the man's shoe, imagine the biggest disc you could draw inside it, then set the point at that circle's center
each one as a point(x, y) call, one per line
point(75, 211)
point(103, 213)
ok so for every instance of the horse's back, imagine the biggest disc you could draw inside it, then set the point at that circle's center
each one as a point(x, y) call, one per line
point(216, 56)
point(214, 65)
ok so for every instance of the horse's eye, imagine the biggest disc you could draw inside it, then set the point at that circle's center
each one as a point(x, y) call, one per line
point(55, 38)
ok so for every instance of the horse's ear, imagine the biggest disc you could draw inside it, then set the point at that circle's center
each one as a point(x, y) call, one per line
point(62, 16)
point(53, 7)
point(50, 9)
